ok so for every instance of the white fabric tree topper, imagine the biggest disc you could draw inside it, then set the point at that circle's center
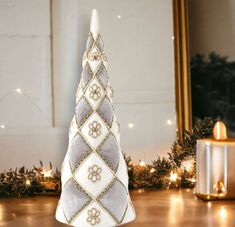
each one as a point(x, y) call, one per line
point(94, 172)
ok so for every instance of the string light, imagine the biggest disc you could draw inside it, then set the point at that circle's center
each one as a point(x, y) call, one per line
point(142, 163)
point(152, 170)
point(187, 164)
point(169, 122)
point(193, 180)
point(28, 182)
point(173, 177)
point(47, 173)
point(2, 126)
point(18, 90)
point(119, 16)
point(130, 125)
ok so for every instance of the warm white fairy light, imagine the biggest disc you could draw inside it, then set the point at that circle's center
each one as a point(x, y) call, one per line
point(187, 165)
point(193, 180)
point(47, 173)
point(119, 16)
point(152, 170)
point(18, 90)
point(173, 176)
point(130, 125)
point(27, 182)
point(142, 163)
point(2, 126)
point(169, 122)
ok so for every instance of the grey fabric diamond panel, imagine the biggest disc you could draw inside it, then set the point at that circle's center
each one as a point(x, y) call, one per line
point(102, 75)
point(75, 199)
point(78, 151)
point(99, 43)
point(86, 75)
point(83, 110)
point(106, 111)
point(115, 200)
point(110, 151)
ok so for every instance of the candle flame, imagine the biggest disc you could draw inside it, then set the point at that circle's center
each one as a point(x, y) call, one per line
point(220, 131)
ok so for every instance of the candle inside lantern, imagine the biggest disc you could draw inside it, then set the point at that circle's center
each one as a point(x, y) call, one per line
point(220, 131)
point(215, 167)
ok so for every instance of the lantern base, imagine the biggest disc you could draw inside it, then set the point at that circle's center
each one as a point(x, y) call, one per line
point(209, 197)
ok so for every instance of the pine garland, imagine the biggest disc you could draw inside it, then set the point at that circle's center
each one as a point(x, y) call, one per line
point(24, 182)
point(162, 173)
point(158, 174)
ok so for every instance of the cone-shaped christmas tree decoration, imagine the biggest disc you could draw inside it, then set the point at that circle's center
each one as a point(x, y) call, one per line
point(94, 173)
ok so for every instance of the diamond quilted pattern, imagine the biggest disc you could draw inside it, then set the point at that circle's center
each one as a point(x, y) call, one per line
point(83, 111)
point(86, 76)
point(115, 200)
point(102, 75)
point(102, 177)
point(94, 93)
point(78, 151)
point(94, 59)
point(73, 199)
point(94, 130)
point(99, 43)
point(105, 111)
point(94, 173)
point(109, 151)
point(90, 42)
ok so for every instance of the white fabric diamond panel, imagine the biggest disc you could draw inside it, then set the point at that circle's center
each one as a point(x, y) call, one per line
point(94, 172)
point(97, 174)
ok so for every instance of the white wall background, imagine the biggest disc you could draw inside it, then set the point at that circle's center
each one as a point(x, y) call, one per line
point(212, 27)
point(138, 43)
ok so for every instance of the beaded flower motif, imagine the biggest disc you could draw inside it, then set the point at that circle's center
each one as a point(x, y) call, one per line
point(95, 129)
point(95, 93)
point(93, 216)
point(94, 173)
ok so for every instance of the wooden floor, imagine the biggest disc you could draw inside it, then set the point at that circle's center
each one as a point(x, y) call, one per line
point(154, 208)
